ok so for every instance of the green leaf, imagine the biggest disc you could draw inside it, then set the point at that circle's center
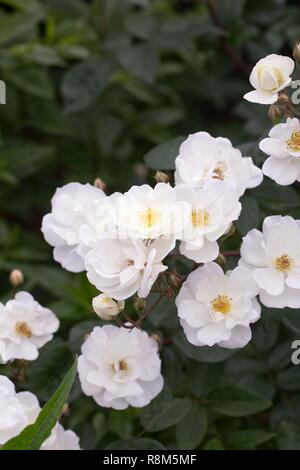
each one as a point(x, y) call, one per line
point(250, 216)
point(141, 61)
point(248, 439)
point(289, 379)
point(33, 80)
point(46, 373)
point(162, 157)
point(289, 436)
point(213, 444)
point(237, 401)
point(33, 436)
point(291, 319)
point(202, 378)
point(13, 26)
point(204, 353)
point(83, 84)
point(24, 158)
point(135, 444)
point(164, 411)
point(191, 429)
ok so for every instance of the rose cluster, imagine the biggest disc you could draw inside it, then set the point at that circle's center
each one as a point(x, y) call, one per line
point(121, 241)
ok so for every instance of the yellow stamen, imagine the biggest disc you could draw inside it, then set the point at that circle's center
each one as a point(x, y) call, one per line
point(221, 304)
point(149, 217)
point(120, 365)
point(199, 218)
point(283, 263)
point(294, 142)
point(218, 172)
point(23, 329)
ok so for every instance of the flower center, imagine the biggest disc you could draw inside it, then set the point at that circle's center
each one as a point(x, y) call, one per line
point(294, 142)
point(23, 329)
point(120, 366)
point(218, 172)
point(283, 263)
point(149, 217)
point(270, 78)
point(199, 218)
point(221, 304)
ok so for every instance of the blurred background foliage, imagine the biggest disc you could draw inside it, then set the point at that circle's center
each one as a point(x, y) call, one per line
point(92, 87)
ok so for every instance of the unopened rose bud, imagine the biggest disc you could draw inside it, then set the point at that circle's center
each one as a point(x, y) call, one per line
point(274, 112)
point(66, 410)
point(161, 177)
point(106, 307)
point(156, 338)
point(141, 170)
point(221, 260)
point(283, 100)
point(16, 278)
point(139, 304)
point(175, 280)
point(296, 53)
point(99, 183)
point(230, 231)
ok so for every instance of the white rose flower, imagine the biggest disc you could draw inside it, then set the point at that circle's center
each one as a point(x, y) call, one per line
point(61, 439)
point(17, 410)
point(269, 76)
point(210, 213)
point(106, 307)
point(217, 308)
point(204, 158)
point(149, 213)
point(120, 367)
point(273, 255)
point(25, 326)
point(119, 268)
point(100, 222)
point(283, 146)
point(61, 227)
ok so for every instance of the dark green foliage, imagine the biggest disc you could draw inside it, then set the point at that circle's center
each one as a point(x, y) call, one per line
point(104, 88)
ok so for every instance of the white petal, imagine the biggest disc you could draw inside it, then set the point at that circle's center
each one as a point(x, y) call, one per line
point(284, 171)
point(240, 336)
point(262, 97)
point(253, 248)
point(270, 280)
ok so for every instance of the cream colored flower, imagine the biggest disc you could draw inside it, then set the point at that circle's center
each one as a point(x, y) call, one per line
point(269, 76)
